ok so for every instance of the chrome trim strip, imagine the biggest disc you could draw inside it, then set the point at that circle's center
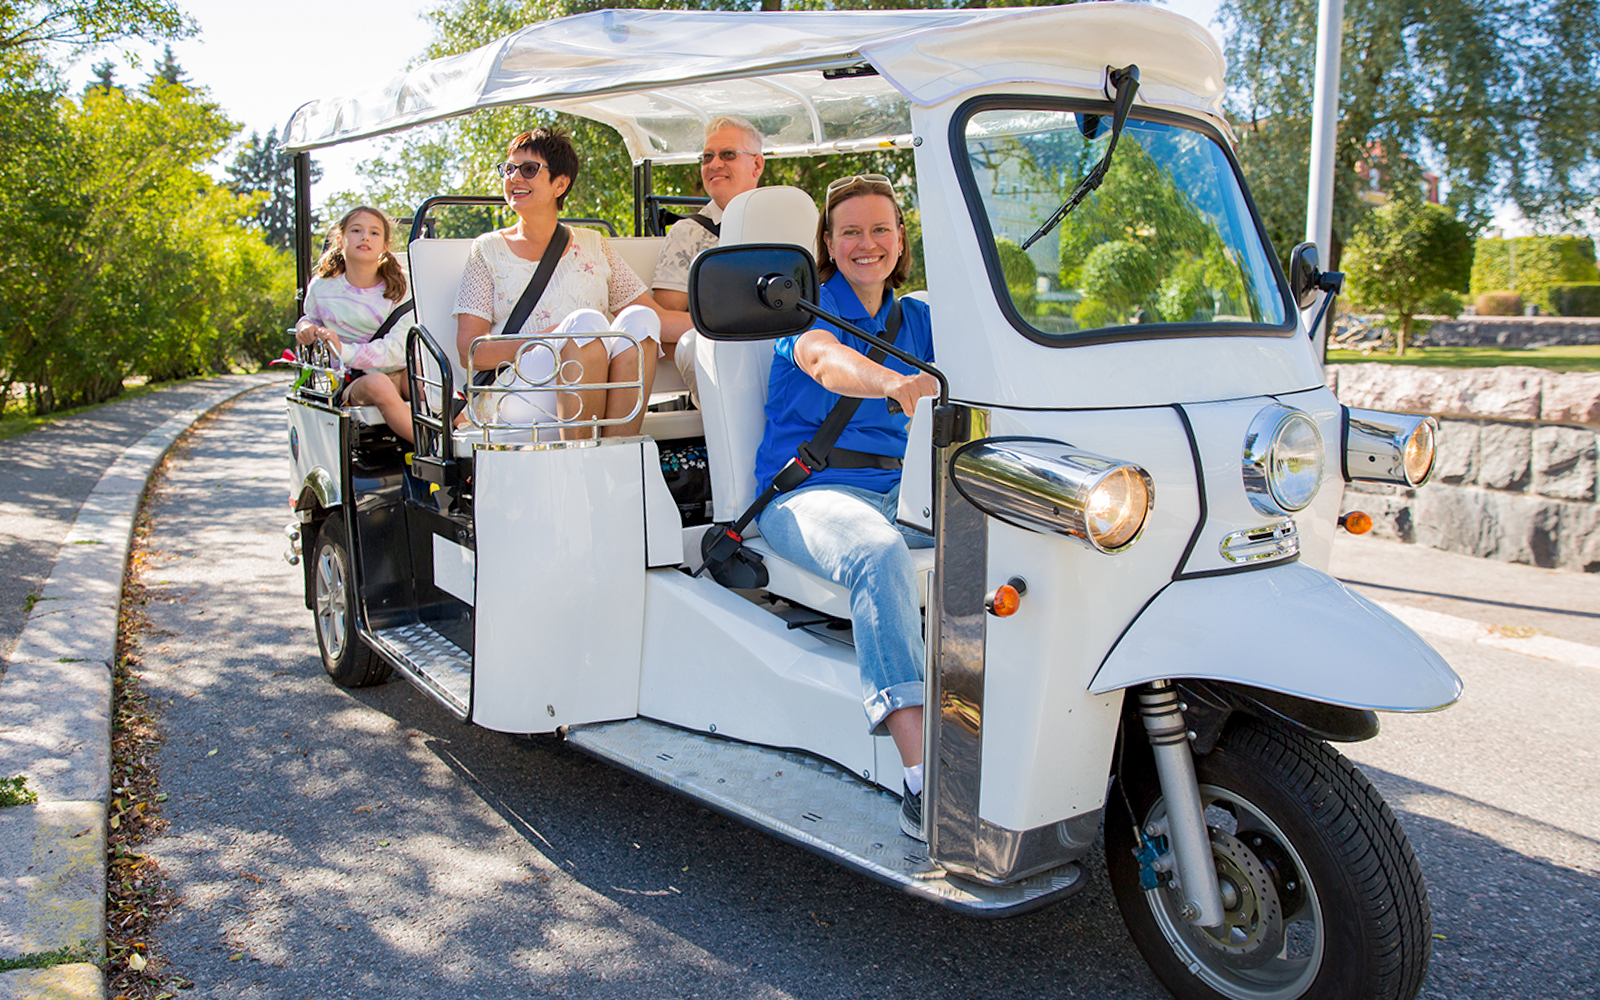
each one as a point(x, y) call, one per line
point(953, 766)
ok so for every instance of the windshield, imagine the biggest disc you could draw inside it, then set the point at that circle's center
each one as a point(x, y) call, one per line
point(1167, 239)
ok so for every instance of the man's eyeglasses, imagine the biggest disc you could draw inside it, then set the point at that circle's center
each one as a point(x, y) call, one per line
point(725, 155)
point(529, 170)
point(845, 182)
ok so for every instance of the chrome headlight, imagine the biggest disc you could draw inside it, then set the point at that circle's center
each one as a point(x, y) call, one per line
point(1051, 487)
point(1382, 447)
point(1283, 457)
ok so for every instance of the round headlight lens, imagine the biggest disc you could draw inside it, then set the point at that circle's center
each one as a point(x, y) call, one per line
point(1294, 462)
point(1116, 509)
point(1418, 455)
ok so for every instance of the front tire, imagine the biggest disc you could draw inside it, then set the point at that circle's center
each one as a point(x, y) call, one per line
point(1323, 895)
point(349, 661)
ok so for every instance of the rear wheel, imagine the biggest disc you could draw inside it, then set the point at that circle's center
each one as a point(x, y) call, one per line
point(1323, 896)
point(349, 661)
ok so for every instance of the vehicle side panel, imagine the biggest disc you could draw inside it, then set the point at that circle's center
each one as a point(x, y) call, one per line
point(560, 599)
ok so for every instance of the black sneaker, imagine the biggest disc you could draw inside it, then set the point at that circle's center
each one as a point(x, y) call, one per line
point(911, 815)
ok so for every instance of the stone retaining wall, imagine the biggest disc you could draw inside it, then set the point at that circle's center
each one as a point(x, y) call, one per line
point(1516, 476)
point(1510, 331)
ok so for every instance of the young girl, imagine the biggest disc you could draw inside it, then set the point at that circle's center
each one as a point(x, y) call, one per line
point(354, 289)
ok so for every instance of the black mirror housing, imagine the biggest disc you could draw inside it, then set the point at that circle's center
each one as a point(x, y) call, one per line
point(1304, 274)
point(752, 292)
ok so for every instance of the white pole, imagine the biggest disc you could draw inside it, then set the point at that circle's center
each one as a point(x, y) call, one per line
point(1324, 131)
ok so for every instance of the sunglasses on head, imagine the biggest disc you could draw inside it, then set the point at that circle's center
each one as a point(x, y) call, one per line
point(845, 182)
point(528, 170)
point(725, 155)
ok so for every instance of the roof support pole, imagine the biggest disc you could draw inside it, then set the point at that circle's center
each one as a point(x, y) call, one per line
point(1324, 134)
point(302, 230)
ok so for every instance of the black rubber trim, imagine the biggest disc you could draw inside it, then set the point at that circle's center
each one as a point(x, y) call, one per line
point(1344, 443)
point(1126, 629)
point(1115, 334)
point(1200, 486)
point(1206, 574)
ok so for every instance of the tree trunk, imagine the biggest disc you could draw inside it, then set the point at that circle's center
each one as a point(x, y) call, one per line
point(1403, 335)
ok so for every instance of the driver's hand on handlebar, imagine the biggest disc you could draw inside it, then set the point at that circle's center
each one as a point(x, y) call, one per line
point(911, 388)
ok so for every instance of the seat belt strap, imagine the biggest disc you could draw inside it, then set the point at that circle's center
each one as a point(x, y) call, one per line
point(531, 294)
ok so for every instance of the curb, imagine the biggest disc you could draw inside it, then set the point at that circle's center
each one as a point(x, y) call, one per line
point(55, 727)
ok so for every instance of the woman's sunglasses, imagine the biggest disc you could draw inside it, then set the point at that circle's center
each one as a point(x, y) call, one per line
point(845, 182)
point(528, 170)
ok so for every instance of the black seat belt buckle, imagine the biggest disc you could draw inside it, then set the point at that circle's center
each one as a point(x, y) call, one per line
point(797, 471)
point(720, 543)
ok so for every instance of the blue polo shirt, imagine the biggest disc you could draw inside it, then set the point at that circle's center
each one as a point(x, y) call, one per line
point(797, 404)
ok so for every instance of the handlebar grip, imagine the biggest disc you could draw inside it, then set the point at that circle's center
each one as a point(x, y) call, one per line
point(894, 405)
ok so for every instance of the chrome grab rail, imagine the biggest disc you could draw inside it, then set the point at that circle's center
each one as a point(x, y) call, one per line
point(322, 374)
point(483, 401)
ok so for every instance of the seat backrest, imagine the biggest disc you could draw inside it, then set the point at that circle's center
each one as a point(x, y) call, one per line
point(733, 376)
point(436, 267)
point(641, 253)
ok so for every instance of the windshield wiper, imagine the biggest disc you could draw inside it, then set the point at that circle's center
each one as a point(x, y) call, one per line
point(1126, 80)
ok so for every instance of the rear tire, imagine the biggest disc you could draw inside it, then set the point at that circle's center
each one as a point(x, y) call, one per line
point(347, 659)
point(1327, 900)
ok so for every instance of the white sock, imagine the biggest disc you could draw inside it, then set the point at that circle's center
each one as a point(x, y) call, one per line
point(914, 779)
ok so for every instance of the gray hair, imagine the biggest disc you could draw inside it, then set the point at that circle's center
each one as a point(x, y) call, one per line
point(733, 121)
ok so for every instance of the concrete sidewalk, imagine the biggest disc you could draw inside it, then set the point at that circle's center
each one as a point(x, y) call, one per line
point(55, 691)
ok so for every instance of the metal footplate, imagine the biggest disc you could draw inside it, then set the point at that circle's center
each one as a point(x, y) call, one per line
point(812, 803)
point(437, 665)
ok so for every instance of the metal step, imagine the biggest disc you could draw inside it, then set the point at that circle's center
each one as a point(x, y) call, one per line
point(434, 663)
point(812, 803)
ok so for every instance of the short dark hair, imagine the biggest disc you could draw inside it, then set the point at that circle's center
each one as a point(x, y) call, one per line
point(554, 146)
point(855, 189)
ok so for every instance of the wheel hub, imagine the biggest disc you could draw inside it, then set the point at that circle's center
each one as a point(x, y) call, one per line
point(1251, 932)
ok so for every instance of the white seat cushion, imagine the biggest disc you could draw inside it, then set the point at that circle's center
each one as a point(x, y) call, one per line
point(807, 589)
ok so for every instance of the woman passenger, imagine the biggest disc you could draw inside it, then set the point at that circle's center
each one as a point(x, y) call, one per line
point(592, 291)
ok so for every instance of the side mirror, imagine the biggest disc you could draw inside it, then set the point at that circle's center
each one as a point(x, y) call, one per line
point(1304, 275)
point(752, 292)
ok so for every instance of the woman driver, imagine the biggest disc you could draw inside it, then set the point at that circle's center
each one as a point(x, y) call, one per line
point(840, 523)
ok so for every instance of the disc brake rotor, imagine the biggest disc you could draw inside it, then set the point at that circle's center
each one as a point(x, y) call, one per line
point(1251, 932)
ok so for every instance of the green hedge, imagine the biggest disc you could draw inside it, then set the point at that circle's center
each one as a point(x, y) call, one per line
point(1531, 265)
point(1577, 299)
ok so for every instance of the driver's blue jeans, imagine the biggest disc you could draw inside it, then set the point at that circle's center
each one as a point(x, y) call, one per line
point(849, 535)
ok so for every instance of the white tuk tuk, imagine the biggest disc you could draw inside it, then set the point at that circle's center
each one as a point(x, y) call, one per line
point(1133, 478)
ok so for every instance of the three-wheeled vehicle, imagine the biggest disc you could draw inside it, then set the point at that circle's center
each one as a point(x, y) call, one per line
point(1133, 476)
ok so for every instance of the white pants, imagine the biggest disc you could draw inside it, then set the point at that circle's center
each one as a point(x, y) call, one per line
point(537, 365)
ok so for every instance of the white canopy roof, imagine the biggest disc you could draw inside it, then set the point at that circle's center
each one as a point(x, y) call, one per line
point(658, 76)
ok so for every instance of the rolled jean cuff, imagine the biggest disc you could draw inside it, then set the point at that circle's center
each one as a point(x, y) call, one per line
point(880, 706)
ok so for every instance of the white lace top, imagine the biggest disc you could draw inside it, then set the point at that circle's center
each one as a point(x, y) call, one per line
point(590, 275)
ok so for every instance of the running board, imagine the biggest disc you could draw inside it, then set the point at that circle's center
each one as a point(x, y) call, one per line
point(810, 803)
point(433, 663)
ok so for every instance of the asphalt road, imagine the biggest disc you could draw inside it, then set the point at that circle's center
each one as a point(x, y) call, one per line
point(333, 844)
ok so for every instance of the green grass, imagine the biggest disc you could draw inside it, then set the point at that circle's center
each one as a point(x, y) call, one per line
point(1574, 358)
point(15, 422)
point(80, 952)
point(15, 792)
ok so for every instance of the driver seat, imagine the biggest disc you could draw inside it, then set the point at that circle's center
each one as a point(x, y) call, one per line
point(733, 398)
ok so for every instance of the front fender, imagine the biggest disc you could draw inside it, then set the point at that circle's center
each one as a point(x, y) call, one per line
point(1288, 628)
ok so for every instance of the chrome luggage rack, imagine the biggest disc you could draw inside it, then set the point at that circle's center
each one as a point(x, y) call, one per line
point(483, 402)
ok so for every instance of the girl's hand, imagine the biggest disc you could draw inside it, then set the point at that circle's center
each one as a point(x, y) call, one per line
point(306, 333)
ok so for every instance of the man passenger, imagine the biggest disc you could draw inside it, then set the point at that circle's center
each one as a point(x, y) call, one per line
point(730, 164)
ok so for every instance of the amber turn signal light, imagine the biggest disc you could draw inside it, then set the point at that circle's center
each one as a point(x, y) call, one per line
point(1004, 600)
point(1356, 522)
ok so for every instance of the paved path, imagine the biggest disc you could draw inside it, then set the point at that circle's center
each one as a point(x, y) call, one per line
point(334, 844)
point(67, 504)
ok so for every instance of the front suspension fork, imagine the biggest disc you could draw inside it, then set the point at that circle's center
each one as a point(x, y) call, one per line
point(1185, 823)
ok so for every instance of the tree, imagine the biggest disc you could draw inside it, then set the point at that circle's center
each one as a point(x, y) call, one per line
point(1405, 254)
point(264, 169)
point(1501, 95)
point(168, 71)
point(88, 22)
point(104, 77)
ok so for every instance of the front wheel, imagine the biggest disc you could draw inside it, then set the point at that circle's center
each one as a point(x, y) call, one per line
point(349, 661)
point(1323, 896)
